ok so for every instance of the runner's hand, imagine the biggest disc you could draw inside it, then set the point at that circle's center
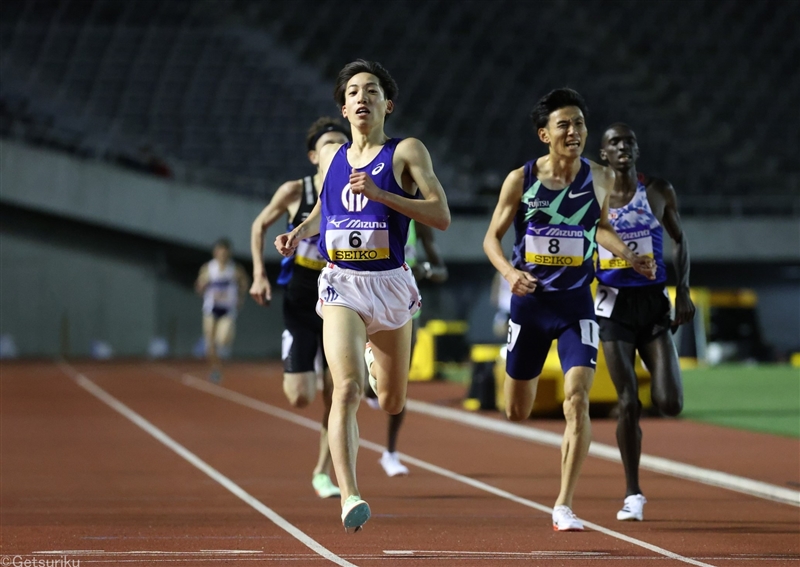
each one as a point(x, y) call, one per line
point(522, 283)
point(684, 308)
point(645, 266)
point(362, 184)
point(286, 243)
point(260, 291)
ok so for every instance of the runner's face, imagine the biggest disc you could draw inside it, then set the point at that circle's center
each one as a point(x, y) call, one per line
point(565, 132)
point(365, 104)
point(620, 148)
point(324, 140)
point(221, 254)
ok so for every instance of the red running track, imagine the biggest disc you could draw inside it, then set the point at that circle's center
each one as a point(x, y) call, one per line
point(134, 463)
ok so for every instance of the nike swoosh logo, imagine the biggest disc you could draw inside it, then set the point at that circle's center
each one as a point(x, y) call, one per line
point(576, 195)
point(593, 361)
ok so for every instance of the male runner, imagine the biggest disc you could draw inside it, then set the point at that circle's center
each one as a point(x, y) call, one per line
point(302, 339)
point(223, 285)
point(372, 188)
point(558, 205)
point(633, 311)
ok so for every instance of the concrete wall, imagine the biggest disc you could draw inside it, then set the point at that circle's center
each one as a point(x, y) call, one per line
point(59, 184)
point(56, 299)
point(53, 291)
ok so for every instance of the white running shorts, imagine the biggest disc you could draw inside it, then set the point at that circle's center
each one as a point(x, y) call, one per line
point(385, 300)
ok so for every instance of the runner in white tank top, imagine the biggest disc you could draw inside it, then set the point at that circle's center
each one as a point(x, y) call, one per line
point(223, 284)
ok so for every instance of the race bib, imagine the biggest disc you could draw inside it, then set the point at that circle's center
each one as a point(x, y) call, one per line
point(308, 256)
point(554, 245)
point(639, 241)
point(357, 239)
point(604, 300)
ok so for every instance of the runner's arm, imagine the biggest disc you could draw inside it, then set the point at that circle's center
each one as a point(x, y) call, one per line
point(684, 307)
point(521, 282)
point(433, 268)
point(432, 209)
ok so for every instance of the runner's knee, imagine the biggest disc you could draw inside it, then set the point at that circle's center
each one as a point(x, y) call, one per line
point(298, 390)
point(630, 408)
point(347, 391)
point(576, 406)
point(668, 404)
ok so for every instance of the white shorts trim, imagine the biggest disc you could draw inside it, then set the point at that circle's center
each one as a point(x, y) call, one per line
point(384, 300)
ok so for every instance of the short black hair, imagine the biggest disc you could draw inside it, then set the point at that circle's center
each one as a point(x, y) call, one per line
point(223, 242)
point(552, 101)
point(387, 83)
point(321, 127)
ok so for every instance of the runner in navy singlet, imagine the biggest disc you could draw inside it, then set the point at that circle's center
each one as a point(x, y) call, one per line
point(302, 339)
point(633, 311)
point(558, 206)
point(372, 188)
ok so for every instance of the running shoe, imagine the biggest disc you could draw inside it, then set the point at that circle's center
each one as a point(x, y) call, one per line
point(370, 358)
point(355, 514)
point(632, 509)
point(565, 520)
point(391, 464)
point(324, 487)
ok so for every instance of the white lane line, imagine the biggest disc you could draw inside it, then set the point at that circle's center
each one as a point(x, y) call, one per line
point(264, 407)
point(198, 463)
point(600, 450)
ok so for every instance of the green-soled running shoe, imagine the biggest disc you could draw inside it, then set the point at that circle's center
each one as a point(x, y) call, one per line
point(355, 514)
point(324, 487)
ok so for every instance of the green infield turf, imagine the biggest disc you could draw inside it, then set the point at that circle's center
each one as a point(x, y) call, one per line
point(758, 398)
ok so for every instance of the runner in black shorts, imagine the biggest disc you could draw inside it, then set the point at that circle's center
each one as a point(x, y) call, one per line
point(633, 312)
point(302, 340)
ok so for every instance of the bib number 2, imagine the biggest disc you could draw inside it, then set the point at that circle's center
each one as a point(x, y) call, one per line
point(604, 300)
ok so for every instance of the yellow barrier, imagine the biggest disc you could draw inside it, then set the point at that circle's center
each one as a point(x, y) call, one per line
point(425, 363)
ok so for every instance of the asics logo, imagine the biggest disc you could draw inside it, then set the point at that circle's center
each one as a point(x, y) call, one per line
point(352, 202)
point(378, 168)
point(337, 223)
point(576, 195)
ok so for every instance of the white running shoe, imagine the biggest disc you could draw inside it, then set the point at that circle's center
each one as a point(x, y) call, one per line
point(565, 520)
point(369, 358)
point(633, 509)
point(392, 465)
point(355, 514)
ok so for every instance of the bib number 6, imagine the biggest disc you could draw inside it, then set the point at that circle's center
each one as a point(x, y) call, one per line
point(355, 239)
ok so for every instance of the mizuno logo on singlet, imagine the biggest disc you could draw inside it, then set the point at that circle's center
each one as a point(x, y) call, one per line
point(635, 234)
point(378, 168)
point(355, 223)
point(337, 223)
point(550, 231)
point(576, 195)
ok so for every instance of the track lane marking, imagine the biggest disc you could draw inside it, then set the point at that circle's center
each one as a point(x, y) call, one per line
point(600, 450)
point(198, 463)
point(258, 405)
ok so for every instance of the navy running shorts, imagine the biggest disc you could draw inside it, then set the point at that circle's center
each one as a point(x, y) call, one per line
point(539, 318)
